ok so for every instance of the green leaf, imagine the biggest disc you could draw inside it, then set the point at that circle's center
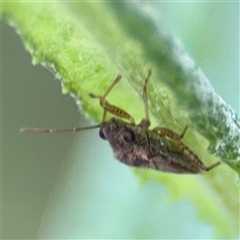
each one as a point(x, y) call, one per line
point(87, 44)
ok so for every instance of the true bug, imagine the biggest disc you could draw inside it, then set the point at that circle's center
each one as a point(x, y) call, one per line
point(135, 144)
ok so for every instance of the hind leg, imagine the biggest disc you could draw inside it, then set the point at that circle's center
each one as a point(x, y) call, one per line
point(166, 132)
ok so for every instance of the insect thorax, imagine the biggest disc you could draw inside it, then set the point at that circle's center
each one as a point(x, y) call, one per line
point(132, 144)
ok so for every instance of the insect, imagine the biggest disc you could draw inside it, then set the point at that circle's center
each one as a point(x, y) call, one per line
point(138, 146)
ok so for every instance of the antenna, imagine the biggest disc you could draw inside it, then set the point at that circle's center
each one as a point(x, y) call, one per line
point(57, 130)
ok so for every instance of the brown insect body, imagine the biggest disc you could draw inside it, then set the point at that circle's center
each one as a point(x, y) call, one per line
point(136, 145)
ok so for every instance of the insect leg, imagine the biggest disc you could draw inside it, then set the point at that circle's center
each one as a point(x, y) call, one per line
point(166, 132)
point(213, 166)
point(169, 133)
point(117, 79)
point(146, 121)
point(194, 158)
point(111, 108)
point(185, 150)
point(183, 132)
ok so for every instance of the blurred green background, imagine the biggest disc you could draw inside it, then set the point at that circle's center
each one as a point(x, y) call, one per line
point(69, 186)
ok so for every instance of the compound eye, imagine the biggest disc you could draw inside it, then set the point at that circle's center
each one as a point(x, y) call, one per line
point(102, 134)
point(128, 136)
